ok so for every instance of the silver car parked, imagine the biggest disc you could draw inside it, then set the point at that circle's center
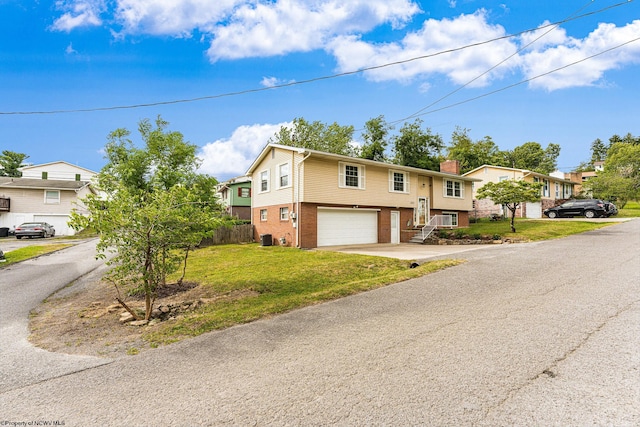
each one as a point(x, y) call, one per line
point(35, 229)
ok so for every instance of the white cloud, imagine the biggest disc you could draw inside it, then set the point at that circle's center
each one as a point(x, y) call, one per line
point(285, 26)
point(78, 13)
point(434, 37)
point(173, 17)
point(70, 50)
point(587, 73)
point(233, 156)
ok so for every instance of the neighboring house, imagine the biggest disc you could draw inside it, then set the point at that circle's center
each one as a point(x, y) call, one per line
point(554, 190)
point(48, 200)
point(57, 170)
point(307, 198)
point(235, 197)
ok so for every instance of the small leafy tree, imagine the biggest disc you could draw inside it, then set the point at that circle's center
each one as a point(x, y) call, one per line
point(10, 161)
point(510, 193)
point(151, 211)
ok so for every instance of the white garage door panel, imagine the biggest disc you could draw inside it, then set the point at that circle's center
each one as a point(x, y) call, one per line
point(59, 222)
point(534, 210)
point(347, 227)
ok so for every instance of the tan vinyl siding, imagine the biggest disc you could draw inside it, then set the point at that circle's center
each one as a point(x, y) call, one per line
point(439, 201)
point(322, 179)
point(28, 200)
point(275, 195)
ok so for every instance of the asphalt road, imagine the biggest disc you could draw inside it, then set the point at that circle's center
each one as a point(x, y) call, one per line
point(526, 334)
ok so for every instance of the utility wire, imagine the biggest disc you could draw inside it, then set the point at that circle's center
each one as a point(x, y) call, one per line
point(531, 78)
point(437, 101)
point(316, 79)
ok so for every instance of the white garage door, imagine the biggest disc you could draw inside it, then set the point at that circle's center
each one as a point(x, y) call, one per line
point(59, 222)
point(347, 227)
point(534, 210)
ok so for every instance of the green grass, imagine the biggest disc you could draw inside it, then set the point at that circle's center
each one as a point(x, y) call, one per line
point(31, 252)
point(631, 210)
point(249, 282)
point(527, 229)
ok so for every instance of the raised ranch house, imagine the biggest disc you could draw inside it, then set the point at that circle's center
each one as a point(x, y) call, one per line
point(554, 190)
point(307, 198)
point(39, 197)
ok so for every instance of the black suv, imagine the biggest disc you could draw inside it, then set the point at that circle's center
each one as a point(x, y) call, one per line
point(589, 208)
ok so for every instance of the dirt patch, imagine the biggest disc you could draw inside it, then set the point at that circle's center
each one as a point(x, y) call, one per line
point(84, 319)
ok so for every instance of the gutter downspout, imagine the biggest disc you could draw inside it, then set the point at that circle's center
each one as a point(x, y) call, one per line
point(299, 165)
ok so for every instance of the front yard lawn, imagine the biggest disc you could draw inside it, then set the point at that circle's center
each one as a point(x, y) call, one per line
point(31, 252)
point(241, 283)
point(531, 230)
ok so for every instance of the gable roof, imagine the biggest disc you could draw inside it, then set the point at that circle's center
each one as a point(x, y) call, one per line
point(42, 184)
point(23, 168)
point(524, 172)
point(338, 157)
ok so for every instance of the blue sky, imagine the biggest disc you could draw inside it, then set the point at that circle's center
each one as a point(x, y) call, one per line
point(71, 55)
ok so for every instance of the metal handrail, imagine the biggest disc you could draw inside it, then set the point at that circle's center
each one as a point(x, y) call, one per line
point(436, 221)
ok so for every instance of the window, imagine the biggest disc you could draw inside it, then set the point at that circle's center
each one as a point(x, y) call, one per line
point(284, 214)
point(45, 175)
point(398, 182)
point(503, 178)
point(77, 177)
point(351, 176)
point(545, 188)
point(264, 181)
point(263, 214)
point(567, 191)
point(284, 172)
point(557, 190)
point(454, 217)
point(52, 197)
point(453, 188)
point(244, 192)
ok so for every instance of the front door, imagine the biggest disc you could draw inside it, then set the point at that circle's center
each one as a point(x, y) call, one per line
point(395, 227)
point(422, 216)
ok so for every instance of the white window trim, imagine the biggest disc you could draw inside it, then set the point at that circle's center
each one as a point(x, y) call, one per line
point(52, 202)
point(268, 172)
point(342, 176)
point(454, 215)
point(405, 181)
point(280, 175)
point(454, 181)
point(263, 218)
point(284, 213)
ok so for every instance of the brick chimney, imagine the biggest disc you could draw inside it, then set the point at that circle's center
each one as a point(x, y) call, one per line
point(450, 166)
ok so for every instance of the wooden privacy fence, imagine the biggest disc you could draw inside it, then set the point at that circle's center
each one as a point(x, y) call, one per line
point(226, 235)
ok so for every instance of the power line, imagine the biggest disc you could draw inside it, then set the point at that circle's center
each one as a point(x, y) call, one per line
point(316, 79)
point(531, 78)
point(553, 27)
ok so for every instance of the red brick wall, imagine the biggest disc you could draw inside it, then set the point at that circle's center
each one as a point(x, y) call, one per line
point(273, 225)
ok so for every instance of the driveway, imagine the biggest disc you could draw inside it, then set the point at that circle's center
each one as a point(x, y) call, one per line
point(23, 286)
point(544, 333)
point(406, 251)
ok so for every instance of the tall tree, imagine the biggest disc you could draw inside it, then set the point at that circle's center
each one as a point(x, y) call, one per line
point(598, 151)
point(531, 156)
point(620, 180)
point(511, 193)
point(417, 147)
point(319, 136)
point(157, 208)
point(471, 154)
point(10, 162)
point(375, 139)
